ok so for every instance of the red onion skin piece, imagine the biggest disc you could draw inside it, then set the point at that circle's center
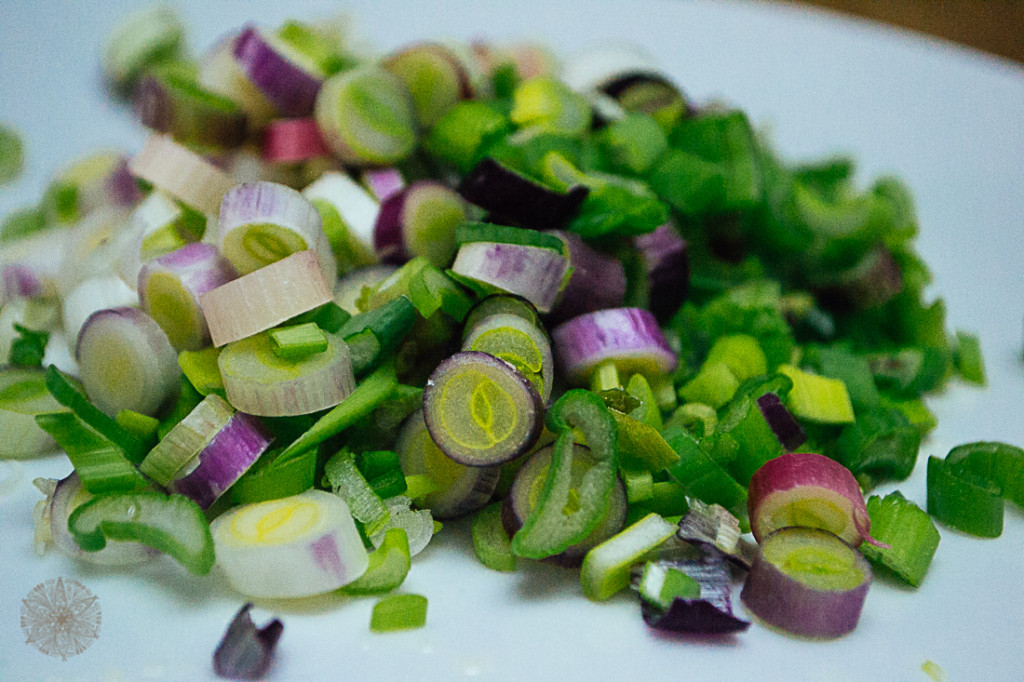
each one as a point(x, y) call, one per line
point(388, 239)
point(519, 200)
point(806, 469)
point(598, 280)
point(122, 188)
point(290, 88)
point(291, 140)
point(783, 602)
point(668, 269)
point(783, 424)
point(234, 449)
point(613, 334)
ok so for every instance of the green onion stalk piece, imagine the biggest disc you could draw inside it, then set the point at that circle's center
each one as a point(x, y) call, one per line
point(101, 464)
point(881, 444)
point(817, 398)
point(399, 612)
point(348, 482)
point(150, 36)
point(297, 341)
point(377, 333)
point(369, 394)
point(270, 479)
point(701, 476)
point(174, 525)
point(546, 102)
point(464, 131)
point(553, 524)
point(12, 156)
point(389, 564)
point(641, 445)
point(23, 396)
point(491, 543)
point(606, 568)
point(966, 490)
point(968, 359)
point(909, 532)
point(202, 370)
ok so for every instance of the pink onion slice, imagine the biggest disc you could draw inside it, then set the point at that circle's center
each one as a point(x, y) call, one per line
point(629, 337)
point(265, 298)
point(383, 182)
point(126, 362)
point(19, 281)
point(807, 582)
point(289, 140)
point(537, 274)
point(230, 453)
point(809, 490)
point(598, 280)
point(288, 86)
point(170, 286)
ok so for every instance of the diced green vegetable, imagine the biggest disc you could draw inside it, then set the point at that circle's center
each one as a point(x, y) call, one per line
point(909, 532)
point(399, 612)
point(389, 564)
point(491, 543)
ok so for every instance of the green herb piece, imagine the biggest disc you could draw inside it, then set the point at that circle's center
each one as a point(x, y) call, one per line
point(491, 543)
point(470, 232)
point(633, 143)
point(549, 104)
point(882, 444)
point(399, 612)
point(389, 564)
point(606, 567)
point(142, 425)
point(909, 532)
point(28, 349)
point(817, 398)
point(271, 479)
point(375, 334)
point(367, 396)
point(701, 476)
point(12, 155)
point(464, 131)
point(964, 501)
point(172, 524)
point(297, 341)
point(100, 463)
point(553, 524)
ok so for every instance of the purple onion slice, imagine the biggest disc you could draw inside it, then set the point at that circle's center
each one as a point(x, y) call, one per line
point(246, 652)
point(781, 421)
point(291, 88)
point(668, 269)
point(525, 489)
point(708, 614)
point(629, 337)
point(807, 582)
point(419, 220)
point(512, 198)
point(480, 410)
point(535, 273)
point(598, 280)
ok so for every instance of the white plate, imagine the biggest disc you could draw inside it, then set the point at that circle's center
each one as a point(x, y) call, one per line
point(947, 120)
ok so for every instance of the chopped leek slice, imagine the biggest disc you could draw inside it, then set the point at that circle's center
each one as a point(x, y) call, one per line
point(298, 341)
point(490, 541)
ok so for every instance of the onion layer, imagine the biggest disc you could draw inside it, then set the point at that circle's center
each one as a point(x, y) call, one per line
point(537, 274)
point(181, 173)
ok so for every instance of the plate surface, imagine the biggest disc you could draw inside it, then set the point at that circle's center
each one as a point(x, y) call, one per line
point(947, 120)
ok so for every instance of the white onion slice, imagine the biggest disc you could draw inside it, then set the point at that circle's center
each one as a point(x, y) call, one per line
point(296, 546)
point(262, 222)
point(181, 173)
point(126, 362)
point(356, 207)
point(265, 298)
point(93, 246)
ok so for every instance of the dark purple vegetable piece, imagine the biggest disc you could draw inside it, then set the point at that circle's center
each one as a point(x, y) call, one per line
point(246, 652)
point(711, 614)
point(598, 280)
point(290, 88)
point(649, 93)
point(713, 528)
point(871, 282)
point(515, 199)
point(668, 269)
point(783, 424)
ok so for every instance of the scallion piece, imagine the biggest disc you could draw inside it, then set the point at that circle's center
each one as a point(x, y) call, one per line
point(389, 564)
point(297, 341)
point(270, 479)
point(101, 464)
point(964, 501)
point(553, 524)
point(349, 483)
point(909, 532)
point(246, 652)
point(968, 358)
point(606, 568)
point(12, 156)
point(172, 524)
point(28, 348)
point(399, 612)
point(490, 541)
point(202, 370)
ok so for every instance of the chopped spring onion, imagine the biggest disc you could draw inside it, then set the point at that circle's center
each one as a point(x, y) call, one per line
point(290, 547)
point(909, 532)
point(202, 371)
point(270, 479)
point(181, 173)
point(141, 40)
point(12, 157)
point(389, 564)
point(435, 77)
point(348, 482)
point(297, 341)
point(174, 525)
point(23, 396)
point(399, 612)
point(817, 398)
point(966, 489)
point(606, 568)
point(535, 273)
point(171, 102)
point(490, 541)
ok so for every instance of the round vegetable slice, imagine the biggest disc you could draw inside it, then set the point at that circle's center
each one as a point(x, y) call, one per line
point(258, 381)
point(537, 274)
point(292, 547)
point(23, 395)
point(460, 488)
point(126, 362)
point(181, 173)
point(435, 76)
point(514, 339)
point(419, 220)
point(271, 68)
point(480, 410)
point(807, 582)
point(808, 490)
point(289, 140)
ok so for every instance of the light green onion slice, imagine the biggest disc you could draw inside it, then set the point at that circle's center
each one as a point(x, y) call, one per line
point(23, 395)
point(491, 543)
point(389, 564)
point(349, 483)
point(606, 568)
point(146, 37)
point(12, 156)
point(399, 612)
point(177, 453)
point(817, 398)
point(298, 341)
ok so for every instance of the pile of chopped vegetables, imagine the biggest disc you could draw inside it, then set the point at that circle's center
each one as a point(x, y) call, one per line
point(335, 301)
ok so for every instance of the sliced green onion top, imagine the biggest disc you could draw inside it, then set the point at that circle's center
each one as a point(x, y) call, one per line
point(297, 341)
point(12, 156)
point(389, 564)
point(100, 464)
point(909, 532)
point(399, 612)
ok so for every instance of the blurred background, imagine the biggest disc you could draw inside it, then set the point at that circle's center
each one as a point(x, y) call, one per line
point(995, 26)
